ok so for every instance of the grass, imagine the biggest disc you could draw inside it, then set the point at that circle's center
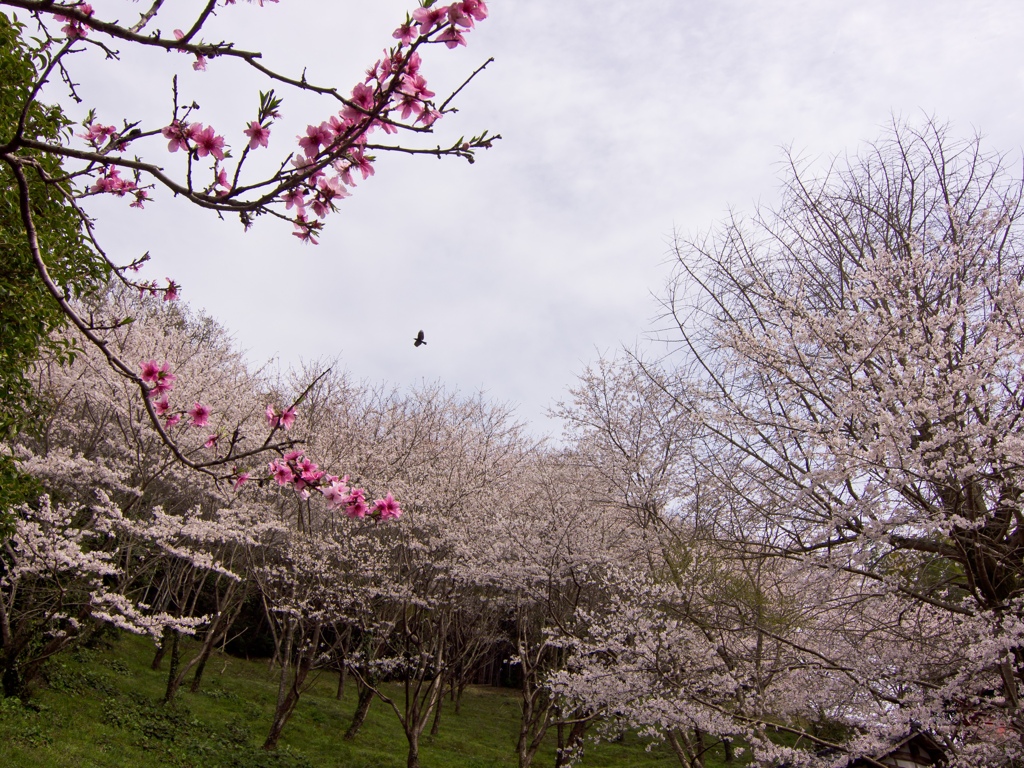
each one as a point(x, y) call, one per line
point(101, 708)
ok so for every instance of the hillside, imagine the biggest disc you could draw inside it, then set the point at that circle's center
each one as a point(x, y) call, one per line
point(101, 707)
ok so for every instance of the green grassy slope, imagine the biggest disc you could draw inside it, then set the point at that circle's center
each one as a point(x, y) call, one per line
point(102, 708)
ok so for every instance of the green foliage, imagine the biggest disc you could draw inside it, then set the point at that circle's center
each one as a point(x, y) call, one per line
point(28, 313)
point(15, 488)
point(23, 725)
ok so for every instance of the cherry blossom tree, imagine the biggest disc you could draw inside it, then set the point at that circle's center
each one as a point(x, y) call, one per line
point(384, 600)
point(167, 536)
point(632, 435)
point(854, 356)
point(546, 558)
point(451, 458)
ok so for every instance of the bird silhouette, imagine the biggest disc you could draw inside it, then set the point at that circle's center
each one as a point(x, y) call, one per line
point(418, 340)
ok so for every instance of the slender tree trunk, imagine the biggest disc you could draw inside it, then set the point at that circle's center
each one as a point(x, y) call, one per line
point(457, 692)
point(678, 748)
point(687, 751)
point(365, 698)
point(727, 746)
point(536, 704)
point(341, 683)
point(281, 716)
point(435, 727)
point(288, 695)
point(570, 747)
point(161, 650)
point(533, 723)
point(11, 679)
point(197, 678)
point(218, 628)
point(414, 749)
point(172, 673)
point(224, 621)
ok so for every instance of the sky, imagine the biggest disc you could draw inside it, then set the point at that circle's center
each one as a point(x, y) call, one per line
point(622, 124)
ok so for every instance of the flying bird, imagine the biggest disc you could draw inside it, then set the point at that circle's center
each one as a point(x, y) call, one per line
point(418, 340)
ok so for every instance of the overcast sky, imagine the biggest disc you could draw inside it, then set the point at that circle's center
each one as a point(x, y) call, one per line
point(621, 123)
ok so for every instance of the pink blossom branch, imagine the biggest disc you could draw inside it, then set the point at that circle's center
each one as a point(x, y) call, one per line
point(89, 331)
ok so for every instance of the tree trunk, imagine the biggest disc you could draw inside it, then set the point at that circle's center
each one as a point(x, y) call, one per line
point(362, 707)
point(218, 631)
point(281, 716)
point(197, 678)
point(435, 727)
point(161, 649)
point(727, 746)
point(572, 746)
point(457, 692)
point(11, 680)
point(533, 722)
point(690, 753)
point(172, 673)
point(288, 696)
point(414, 749)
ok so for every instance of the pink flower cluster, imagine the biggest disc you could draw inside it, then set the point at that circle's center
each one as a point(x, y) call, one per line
point(259, 134)
point(98, 134)
point(159, 376)
point(285, 418)
point(73, 28)
point(369, 108)
point(457, 17)
point(303, 475)
point(162, 379)
point(292, 469)
point(112, 183)
point(194, 137)
point(170, 292)
point(334, 151)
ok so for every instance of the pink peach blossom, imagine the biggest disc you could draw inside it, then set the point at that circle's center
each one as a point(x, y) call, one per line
point(199, 414)
point(288, 418)
point(452, 37)
point(259, 135)
point(178, 135)
point(357, 504)
point(281, 472)
point(208, 142)
point(429, 18)
point(405, 33)
point(150, 370)
point(388, 508)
